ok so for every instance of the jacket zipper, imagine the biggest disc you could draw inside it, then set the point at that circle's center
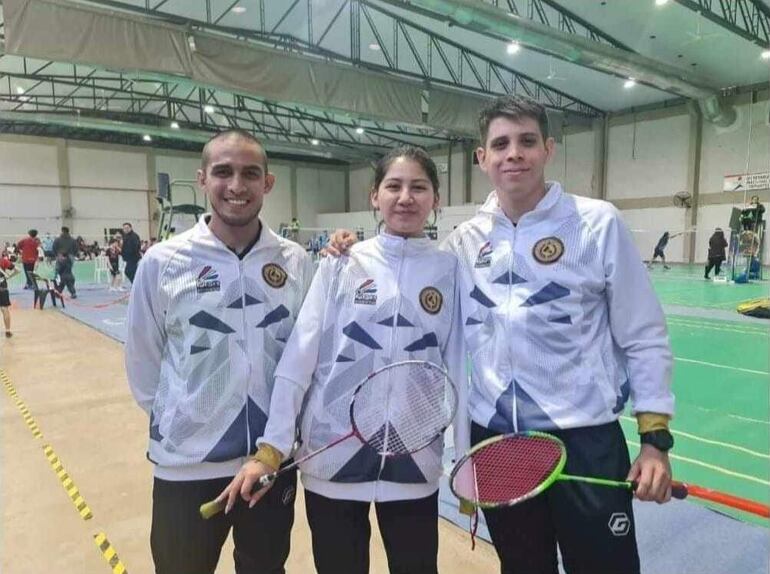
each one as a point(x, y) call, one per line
point(245, 344)
point(509, 310)
point(393, 337)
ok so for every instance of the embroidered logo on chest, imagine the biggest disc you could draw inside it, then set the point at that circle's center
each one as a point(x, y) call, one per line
point(208, 280)
point(484, 258)
point(366, 294)
point(548, 250)
point(431, 300)
point(274, 275)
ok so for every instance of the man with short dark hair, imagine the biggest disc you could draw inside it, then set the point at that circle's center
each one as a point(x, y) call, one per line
point(131, 250)
point(208, 317)
point(65, 249)
point(28, 248)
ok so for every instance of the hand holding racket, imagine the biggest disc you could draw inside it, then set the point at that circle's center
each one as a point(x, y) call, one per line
point(397, 410)
point(509, 469)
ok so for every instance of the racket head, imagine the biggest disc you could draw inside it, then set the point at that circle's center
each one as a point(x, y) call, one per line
point(508, 469)
point(403, 407)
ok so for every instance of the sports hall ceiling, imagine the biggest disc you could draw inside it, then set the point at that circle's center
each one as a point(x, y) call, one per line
point(715, 45)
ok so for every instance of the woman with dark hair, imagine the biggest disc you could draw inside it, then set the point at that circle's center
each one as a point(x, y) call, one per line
point(393, 298)
point(717, 246)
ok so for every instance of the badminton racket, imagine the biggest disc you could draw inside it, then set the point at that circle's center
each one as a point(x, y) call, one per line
point(397, 410)
point(509, 469)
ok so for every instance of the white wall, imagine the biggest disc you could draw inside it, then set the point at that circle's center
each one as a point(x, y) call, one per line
point(108, 187)
point(650, 159)
point(29, 189)
point(727, 151)
point(361, 179)
point(319, 191)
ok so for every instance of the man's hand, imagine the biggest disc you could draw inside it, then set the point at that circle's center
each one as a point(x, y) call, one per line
point(243, 482)
point(339, 243)
point(652, 472)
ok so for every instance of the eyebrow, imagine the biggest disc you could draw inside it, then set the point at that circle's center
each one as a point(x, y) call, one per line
point(256, 166)
point(417, 179)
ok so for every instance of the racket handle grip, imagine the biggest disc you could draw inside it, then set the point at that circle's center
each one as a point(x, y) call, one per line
point(265, 480)
point(678, 489)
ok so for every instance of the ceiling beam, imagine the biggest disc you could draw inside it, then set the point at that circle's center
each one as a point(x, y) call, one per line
point(749, 19)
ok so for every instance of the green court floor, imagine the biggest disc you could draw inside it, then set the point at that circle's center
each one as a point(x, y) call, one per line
point(721, 382)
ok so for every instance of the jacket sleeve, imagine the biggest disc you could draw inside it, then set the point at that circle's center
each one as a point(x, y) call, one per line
point(146, 336)
point(294, 372)
point(637, 322)
point(456, 362)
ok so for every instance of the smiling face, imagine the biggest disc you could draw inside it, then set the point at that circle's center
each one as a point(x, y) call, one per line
point(405, 197)
point(235, 181)
point(514, 156)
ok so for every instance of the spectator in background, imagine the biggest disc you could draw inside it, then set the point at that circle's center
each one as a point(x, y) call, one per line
point(294, 229)
point(113, 256)
point(717, 246)
point(28, 249)
point(48, 247)
point(65, 249)
point(131, 250)
point(7, 270)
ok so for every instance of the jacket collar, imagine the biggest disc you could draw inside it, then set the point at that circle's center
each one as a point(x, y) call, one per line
point(553, 194)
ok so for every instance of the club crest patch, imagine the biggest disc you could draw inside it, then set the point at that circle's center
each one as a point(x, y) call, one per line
point(274, 275)
point(208, 280)
point(431, 300)
point(548, 250)
point(366, 294)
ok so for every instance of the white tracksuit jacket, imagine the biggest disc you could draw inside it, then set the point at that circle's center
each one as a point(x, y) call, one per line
point(362, 312)
point(560, 319)
point(205, 332)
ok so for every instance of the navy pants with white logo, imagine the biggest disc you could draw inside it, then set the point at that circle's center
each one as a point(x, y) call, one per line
point(184, 543)
point(593, 525)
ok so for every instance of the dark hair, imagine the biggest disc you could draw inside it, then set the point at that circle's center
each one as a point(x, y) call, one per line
point(127, 223)
point(65, 229)
point(514, 108)
point(414, 153)
point(231, 133)
point(32, 232)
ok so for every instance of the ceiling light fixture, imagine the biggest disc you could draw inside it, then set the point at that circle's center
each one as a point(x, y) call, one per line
point(19, 90)
point(661, 2)
point(513, 48)
point(630, 83)
point(359, 131)
point(146, 138)
point(314, 142)
point(765, 55)
point(238, 9)
point(208, 109)
point(174, 126)
point(375, 47)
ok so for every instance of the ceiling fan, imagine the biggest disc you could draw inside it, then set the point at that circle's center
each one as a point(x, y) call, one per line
point(552, 75)
point(698, 35)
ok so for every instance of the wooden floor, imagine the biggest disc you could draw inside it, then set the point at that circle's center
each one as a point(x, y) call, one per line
point(69, 381)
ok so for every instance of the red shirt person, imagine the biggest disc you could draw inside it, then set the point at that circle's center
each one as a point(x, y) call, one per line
point(28, 247)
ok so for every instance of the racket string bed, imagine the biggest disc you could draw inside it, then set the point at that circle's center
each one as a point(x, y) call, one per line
point(398, 417)
point(509, 469)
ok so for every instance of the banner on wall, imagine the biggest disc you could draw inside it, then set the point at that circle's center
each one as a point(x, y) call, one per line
point(747, 182)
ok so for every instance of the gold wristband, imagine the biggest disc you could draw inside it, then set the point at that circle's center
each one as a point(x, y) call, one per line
point(648, 422)
point(269, 455)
